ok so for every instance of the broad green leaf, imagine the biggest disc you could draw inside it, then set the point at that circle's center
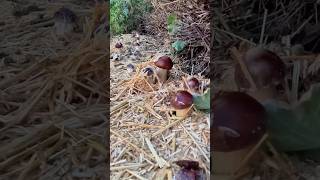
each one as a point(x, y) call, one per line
point(179, 45)
point(202, 102)
point(296, 128)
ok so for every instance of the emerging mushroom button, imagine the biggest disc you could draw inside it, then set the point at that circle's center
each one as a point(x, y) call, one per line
point(181, 103)
point(193, 84)
point(265, 67)
point(164, 65)
point(239, 121)
point(148, 73)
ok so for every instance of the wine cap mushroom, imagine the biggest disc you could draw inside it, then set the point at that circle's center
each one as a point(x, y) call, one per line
point(181, 100)
point(164, 62)
point(118, 45)
point(148, 71)
point(265, 67)
point(193, 83)
point(239, 121)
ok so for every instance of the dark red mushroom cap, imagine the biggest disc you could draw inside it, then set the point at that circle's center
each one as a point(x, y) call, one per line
point(164, 62)
point(181, 100)
point(193, 83)
point(265, 67)
point(118, 45)
point(238, 121)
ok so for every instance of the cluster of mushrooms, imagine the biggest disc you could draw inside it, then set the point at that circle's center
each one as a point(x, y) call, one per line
point(239, 121)
point(182, 100)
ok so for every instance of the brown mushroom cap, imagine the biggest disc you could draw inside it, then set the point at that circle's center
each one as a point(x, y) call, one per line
point(193, 83)
point(239, 121)
point(181, 100)
point(265, 67)
point(164, 62)
point(118, 45)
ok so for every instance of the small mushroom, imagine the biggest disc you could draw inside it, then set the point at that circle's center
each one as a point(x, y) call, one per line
point(64, 21)
point(130, 68)
point(181, 103)
point(118, 45)
point(190, 170)
point(148, 73)
point(239, 123)
point(193, 84)
point(266, 69)
point(164, 65)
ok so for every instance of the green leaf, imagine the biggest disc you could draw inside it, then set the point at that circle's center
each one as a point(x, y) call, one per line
point(296, 128)
point(171, 20)
point(179, 45)
point(202, 102)
point(171, 23)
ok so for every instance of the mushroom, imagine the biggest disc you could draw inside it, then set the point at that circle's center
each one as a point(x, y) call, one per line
point(190, 170)
point(181, 103)
point(164, 65)
point(238, 125)
point(266, 69)
point(64, 21)
point(130, 68)
point(148, 73)
point(193, 84)
point(118, 45)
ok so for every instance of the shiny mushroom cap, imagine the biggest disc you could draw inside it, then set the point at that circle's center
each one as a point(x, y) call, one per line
point(182, 100)
point(193, 83)
point(265, 67)
point(164, 62)
point(239, 121)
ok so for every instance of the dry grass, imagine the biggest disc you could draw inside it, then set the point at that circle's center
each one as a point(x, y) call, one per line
point(53, 105)
point(194, 29)
point(145, 140)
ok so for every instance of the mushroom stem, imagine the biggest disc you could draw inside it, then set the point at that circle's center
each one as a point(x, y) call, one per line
point(151, 79)
point(226, 163)
point(263, 94)
point(162, 74)
point(182, 112)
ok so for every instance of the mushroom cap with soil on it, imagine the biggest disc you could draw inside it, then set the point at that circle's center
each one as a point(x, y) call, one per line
point(239, 123)
point(266, 69)
point(181, 103)
point(164, 65)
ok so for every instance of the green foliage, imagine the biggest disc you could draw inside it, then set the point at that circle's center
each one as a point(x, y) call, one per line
point(179, 45)
point(202, 102)
point(172, 24)
point(296, 128)
point(126, 15)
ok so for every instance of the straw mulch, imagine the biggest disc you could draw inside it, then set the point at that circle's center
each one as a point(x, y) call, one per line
point(145, 140)
point(194, 28)
point(288, 28)
point(53, 98)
